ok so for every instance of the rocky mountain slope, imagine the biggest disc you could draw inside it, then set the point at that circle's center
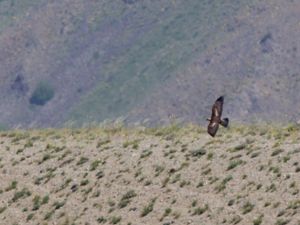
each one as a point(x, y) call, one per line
point(72, 62)
point(254, 64)
point(170, 175)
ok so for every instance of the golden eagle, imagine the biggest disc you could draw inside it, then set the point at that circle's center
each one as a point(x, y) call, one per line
point(215, 119)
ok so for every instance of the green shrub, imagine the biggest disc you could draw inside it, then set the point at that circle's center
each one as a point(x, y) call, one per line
point(148, 208)
point(2, 209)
point(234, 163)
point(21, 194)
point(45, 200)
point(29, 217)
point(36, 203)
point(82, 160)
point(101, 220)
point(198, 152)
point(12, 186)
point(126, 198)
point(200, 210)
point(258, 220)
point(42, 94)
point(247, 207)
point(94, 165)
point(115, 219)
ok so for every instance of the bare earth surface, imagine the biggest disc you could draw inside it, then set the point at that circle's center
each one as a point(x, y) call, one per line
point(171, 175)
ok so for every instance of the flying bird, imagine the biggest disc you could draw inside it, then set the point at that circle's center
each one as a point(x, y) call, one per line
point(215, 119)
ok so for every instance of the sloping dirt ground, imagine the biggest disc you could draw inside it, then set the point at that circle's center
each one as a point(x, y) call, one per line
point(170, 175)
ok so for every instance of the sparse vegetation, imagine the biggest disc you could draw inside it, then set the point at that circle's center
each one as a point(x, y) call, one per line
point(82, 160)
point(12, 186)
point(2, 209)
point(148, 208)
point(234, 163)
point(222, 185)
point(258, 220)
point(94, 165)
point(101, 220)
point(200, 210)
point(247, 207)
point(115, 219)
point(126, 198)
point(36, 203)
point(21, 194)
point(276, 152)
point(65, 174)
point(236, 219)
point(282, 222)
point(198, 153)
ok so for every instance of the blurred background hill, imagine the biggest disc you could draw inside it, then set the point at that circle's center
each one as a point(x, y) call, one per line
point(147, 61)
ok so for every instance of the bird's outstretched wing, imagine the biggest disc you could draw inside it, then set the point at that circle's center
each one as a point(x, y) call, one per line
point(218, 108)
point(212, 128)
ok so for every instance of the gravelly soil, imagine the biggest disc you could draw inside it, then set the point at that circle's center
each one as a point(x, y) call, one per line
point(171, 175)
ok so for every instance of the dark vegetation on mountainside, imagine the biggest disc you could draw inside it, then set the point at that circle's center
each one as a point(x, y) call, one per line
point(71, 62)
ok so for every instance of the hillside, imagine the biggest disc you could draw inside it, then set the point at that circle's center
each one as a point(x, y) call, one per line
point(254, 64)
point(171, 175)
point(75, 62)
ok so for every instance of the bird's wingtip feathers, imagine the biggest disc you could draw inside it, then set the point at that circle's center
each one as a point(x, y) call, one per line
point(225, 122)
point(221, 98)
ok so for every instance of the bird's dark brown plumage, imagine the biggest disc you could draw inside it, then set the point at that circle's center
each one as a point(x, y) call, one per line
point(215, 119)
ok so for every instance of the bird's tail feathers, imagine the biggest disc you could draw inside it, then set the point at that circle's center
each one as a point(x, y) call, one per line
point(225, 122)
